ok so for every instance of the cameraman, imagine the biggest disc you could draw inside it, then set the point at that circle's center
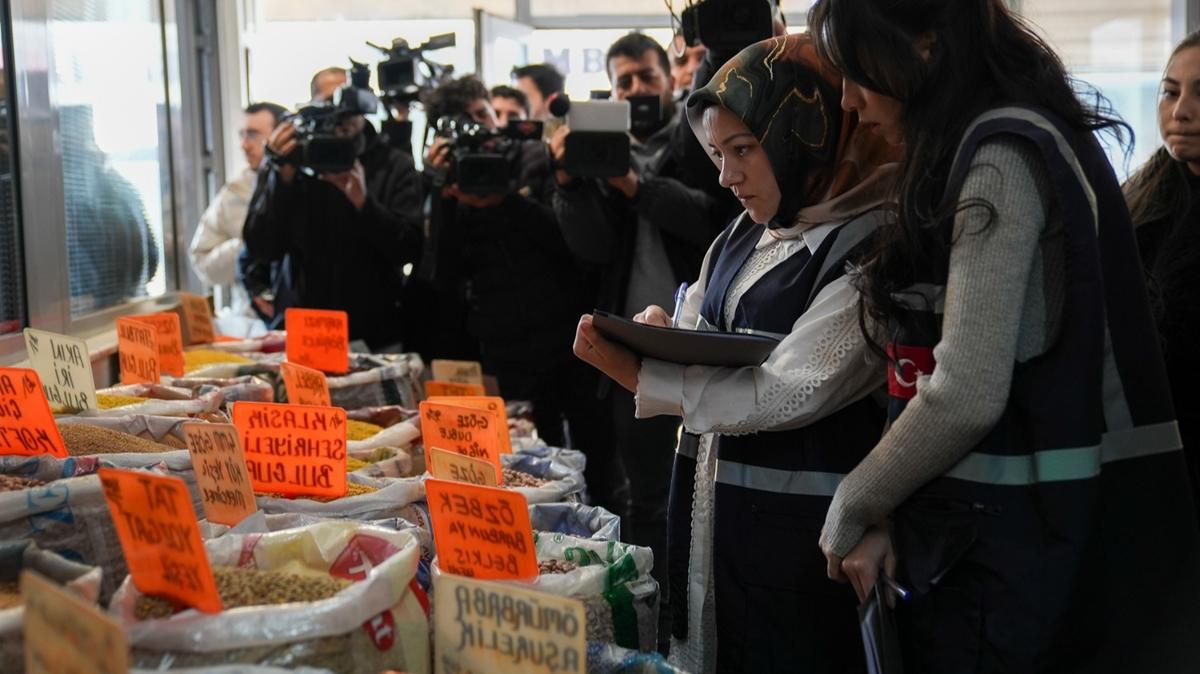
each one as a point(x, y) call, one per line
point(521, 290)
point(347, 235)
point(641, 234)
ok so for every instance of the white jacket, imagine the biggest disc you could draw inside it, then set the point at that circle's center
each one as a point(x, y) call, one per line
point(218, 239)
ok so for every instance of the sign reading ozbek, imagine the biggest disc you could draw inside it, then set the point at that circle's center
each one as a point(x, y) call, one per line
point(297, 450)
point(501, 628)
point(481, 532)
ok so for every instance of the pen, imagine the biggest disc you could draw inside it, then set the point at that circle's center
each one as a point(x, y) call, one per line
point(896, 587)
point(680, 296)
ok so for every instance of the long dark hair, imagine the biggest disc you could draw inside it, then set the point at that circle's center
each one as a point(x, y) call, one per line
point(981, 56)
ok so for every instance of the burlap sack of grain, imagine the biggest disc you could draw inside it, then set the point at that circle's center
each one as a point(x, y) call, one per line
point(375, 624)
point(21, 555)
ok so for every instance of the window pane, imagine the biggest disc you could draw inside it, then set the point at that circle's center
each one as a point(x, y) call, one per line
point(108, 86)
point(12, 280)
point(1118, 47)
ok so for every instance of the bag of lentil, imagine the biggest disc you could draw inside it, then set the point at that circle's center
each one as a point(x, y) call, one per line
point(368, 499)
point(17, 556)
point(70, 517)
point(575, 519)
point(399, 436)
point(542, 480)
point(335, 595)
point(147, 400)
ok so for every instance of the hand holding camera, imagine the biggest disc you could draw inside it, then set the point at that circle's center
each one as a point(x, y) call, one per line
point(352, 183)
point(281, 144)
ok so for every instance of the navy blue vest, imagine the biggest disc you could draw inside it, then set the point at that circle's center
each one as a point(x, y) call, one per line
point(1070, 516)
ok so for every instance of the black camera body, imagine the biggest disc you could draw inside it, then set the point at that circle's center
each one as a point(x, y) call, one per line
point(482, 161)
point(319, 149)
point(727, 26)
point(405, 72)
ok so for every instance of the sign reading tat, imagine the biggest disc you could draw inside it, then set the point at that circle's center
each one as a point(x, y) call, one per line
point(221, 474)
point(170, 340)
point(137, 347)
point(319, 339)
point(27, 425)
point(160, 537)
point(503, 628)
point(481, 532)
point(304, 385)
point(65, 369)
point(295, 450)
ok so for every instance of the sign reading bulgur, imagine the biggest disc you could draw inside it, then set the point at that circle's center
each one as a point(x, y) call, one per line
point(297, 450)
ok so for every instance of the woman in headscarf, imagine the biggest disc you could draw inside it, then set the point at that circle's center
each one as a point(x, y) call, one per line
point(748, 587)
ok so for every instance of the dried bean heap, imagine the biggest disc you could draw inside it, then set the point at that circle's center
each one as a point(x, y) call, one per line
point(515, 478)
point(555, 566)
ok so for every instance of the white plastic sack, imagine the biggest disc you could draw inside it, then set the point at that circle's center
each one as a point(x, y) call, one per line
point(391, 498)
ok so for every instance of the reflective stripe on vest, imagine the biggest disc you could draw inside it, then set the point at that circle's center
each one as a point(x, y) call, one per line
point(797, 482)
point(1060, 465)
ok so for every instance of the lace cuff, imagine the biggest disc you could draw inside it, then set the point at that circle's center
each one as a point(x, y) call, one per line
point(660, 389)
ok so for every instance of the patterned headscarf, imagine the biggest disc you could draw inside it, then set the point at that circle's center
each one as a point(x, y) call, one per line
point(828, 169)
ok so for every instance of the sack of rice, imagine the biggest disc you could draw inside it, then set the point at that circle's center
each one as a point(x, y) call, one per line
point(336, 595)
point(20, 555)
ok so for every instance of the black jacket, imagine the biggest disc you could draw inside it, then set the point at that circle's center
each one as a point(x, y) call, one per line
point(341, 258)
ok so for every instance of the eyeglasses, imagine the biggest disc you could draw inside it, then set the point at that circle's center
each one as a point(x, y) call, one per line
point(250, 134)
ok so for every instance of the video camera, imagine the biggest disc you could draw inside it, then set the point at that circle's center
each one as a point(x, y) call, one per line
point(318, 147)
point(598, 145)
point(482, 161)
point(727, 26)
point(405, 73)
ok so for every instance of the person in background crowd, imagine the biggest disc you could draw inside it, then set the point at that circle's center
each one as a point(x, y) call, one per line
point(345, 236)
point(218, 239)
point(325, 82)
point(1164, 201)
point(1031, 479)
point(504, 256)
point(684, 62)
point(638, 236)
point(776, 435)
point(510, 104)
point(541, 83)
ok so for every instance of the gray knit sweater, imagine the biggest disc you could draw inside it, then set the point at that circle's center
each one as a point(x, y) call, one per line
point(1004, 299)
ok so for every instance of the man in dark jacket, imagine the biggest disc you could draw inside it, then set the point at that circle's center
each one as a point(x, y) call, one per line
point(347, 236)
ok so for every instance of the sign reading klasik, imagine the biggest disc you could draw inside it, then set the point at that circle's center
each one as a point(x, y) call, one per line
point(503, 628)
point(481, 532)
point(65, 369)
point(160, 537)
point(27, 425)
point(296, 450)
point(221, 475)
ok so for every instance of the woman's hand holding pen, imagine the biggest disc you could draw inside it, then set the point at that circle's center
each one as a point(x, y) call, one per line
point(614, 360)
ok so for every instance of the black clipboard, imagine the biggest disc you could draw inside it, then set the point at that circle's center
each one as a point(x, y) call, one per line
point(880, 639)
point(686, 347)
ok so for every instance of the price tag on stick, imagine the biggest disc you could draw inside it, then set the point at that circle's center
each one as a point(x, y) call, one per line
point(65, 367)
point(466, 430)
point(197, 319)
point(160, 536)
point(297, 450)
point(27, 426)
point(443, 389)
point(447, 465)
point(64, 633)
point(319, 339)
point(170, 340)
point(221, 474)
point(472, 633)
point(304, 385)
point(481, 532)
point(137, 345)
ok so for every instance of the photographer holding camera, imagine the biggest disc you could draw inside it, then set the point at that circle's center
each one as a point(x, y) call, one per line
point(344, 208)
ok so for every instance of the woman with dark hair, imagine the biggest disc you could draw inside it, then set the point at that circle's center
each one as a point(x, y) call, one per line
point(1031, 478)
point(748, 495)
point(1164, 201)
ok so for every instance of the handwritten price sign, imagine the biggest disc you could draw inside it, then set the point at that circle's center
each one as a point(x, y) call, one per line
point(65, 368)
point(481, 532)
point(447, 465)
point(304, 385)
point(170, 340)
point(491, 404)
point(319, 339)
point(221, 474)
point(137, 345)
point(298, 450)
point(26, 424)
point(466, 430)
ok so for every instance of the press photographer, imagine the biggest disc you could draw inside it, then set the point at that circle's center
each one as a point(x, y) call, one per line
point(498, 254)
point(344, 208)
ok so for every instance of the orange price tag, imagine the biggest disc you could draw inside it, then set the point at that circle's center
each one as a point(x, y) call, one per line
point(443, 389)
point(170, 340)
point(197, 319)
point(298, 450)
point(458, 371)
point(462, 429)
point(160, 537)
point(304, 385)
point(220, 466)
point(481, 532)
point(447, 465)
point(489, 403)
point(319, 339)
point(26, 423)
point(137, 344)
